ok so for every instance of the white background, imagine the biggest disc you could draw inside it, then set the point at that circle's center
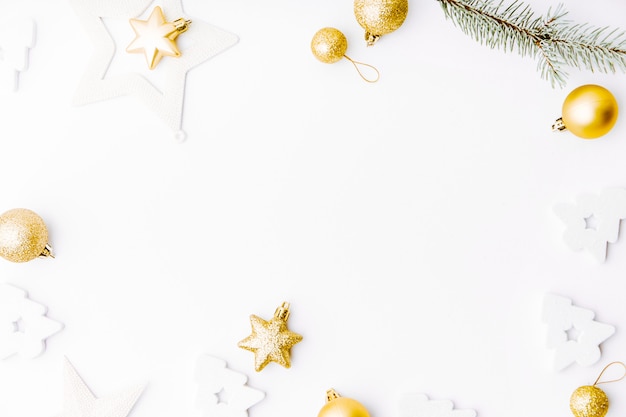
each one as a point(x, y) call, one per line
point(409, 222)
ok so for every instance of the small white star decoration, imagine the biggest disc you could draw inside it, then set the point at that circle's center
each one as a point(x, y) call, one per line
point(418, 405)
point(204, 42)
point(223, 392)
point(17, 37)
point(572, 332)
point(593, 221)
point(79, 401)
point(24, 326)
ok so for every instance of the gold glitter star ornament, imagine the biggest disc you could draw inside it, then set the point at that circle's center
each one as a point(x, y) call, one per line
point(271, 341)
point(156, 37)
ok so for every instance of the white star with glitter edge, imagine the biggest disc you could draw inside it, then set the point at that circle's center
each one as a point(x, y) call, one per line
point(206, 41)
point(223, 392)
point(24, 326)
point(79, 401)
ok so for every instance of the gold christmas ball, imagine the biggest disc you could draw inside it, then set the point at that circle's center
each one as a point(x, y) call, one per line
point(23, 236)
point(589, 401)
point(379, 17)
point(589, 111)
point(329, 45)
point(337, 406)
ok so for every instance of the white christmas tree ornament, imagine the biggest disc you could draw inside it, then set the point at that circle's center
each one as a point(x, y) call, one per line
point(223, 392)
point(593, 221)
point(572, 332)
point(24, 326)
point(418, 405)
point(17, 37)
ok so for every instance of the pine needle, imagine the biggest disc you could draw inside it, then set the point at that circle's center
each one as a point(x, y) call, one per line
point(551, 39)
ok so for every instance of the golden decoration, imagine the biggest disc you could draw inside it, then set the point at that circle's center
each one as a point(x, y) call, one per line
point(591, 401)
point(156, 38)
point(338, 406)
point(271, 341)
point(379, 17)
point(589, 111)
point(329, 45)
point(23, 236)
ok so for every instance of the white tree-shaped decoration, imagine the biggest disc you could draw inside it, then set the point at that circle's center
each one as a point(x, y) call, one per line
point(572, 332)
point(593, 221)
point(418, 405)
point(223, 392)
point(24, 326)
point(17, 37)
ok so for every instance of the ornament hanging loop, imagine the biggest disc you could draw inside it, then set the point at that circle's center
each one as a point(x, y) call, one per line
point(357, 64)
point(598, 382)
point(558, 125)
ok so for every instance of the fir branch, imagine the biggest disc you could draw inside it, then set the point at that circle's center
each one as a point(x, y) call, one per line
point(551, 39)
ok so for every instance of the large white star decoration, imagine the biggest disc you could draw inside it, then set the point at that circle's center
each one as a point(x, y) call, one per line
point(572, 332)
point(24, 326)
point(223, 392)
point(418, 405)
point(79, 401)
point(17, 37)
point(204, 40)
point(593, 221)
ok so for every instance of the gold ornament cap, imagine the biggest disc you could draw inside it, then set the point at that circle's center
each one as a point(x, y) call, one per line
point(380, 17)
point(23, 236)
point(589, 112)
point(338, 406)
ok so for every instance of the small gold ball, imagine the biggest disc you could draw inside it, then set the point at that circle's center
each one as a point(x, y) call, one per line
point(589, 111)
point(329, 45)
point(379, 17)
point(23, 235)
point(343, 407)
point(589, 401)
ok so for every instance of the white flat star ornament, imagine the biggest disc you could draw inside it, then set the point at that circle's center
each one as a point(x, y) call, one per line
point(79, 401)
point(204, 42)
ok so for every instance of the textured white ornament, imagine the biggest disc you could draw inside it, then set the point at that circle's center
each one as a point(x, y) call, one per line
point(79, 401)
point(572, 332)
point(223, 392)
point(24, 326)
point(17, 37)
point(593, 221)
point(205, 42)
point(418, 405)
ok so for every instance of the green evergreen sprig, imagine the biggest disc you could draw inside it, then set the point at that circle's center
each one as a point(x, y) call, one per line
point(551, 39)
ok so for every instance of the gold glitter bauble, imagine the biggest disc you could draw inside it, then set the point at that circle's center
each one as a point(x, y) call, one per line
point(589, 401)
point(337, 406)
point(23, 236)
point(329, 45)
point(589, 111)
point(379, 17)
point(271, 341)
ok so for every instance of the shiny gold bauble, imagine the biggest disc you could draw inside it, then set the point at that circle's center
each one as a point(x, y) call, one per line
point(23, 236)
point(589, 401)
point(337, 406)
point(329, 45)
point(589, 111)
point(379, 17)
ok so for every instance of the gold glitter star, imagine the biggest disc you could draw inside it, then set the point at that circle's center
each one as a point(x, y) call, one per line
point(271, 341)
point(156, 37)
